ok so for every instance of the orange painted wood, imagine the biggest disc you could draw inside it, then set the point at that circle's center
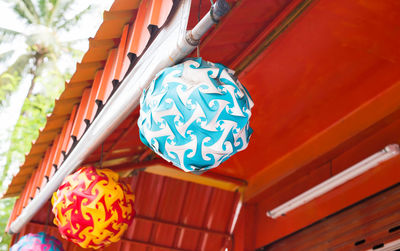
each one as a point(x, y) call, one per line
point(369, 221)
point(94, 92)
point(365, 185)
point(296, 184)
point(245, 231)
point(383, 133)
point(85, 107)
point(126, 63)
point(58, 156)
point(41, 171)
point(48, 168)
point(23, 195)
point(52, 155)
point(140, 35)
point(348, 127)
point(198, 216)
point(113, 22)
point(125, 5)
point(318, 86)
point(317, 90)
point(283, 15)
point(354, 223)
point(239, 234)
point(121, 57)
point(118, 143)
point(79, 124)
point(232, 36)
point(107, 37)
point(98, 49)
point(369, 142)
point(389, 134)
point(160, 10)
point(106, 85)
point(67, 139)
point(29, 189)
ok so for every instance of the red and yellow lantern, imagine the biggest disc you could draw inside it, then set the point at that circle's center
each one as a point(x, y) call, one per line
point(93, 208)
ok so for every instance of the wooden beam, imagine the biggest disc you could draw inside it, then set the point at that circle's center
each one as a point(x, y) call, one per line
point(217, 182)
point(348, 127)
point(361, 187)
point(161, 167)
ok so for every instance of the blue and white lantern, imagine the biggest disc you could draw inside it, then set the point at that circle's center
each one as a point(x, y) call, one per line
point(196, 115)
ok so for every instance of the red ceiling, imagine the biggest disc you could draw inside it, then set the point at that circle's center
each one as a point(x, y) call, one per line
point(333, 58)
point(170, 215)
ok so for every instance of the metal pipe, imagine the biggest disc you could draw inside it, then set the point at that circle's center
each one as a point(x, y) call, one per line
point(169, 47)
point(218, 10)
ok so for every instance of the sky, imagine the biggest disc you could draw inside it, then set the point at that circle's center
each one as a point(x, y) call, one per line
point(8, 19)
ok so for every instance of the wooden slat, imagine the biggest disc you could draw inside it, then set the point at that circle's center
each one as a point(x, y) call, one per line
point(33, 159)
point(57, 157)
point(86, 71)
point(26, 191)
point(106, 85)
point(49, 165)
point(348, 127)
point(369, 220)
point(67, 139)
point(125, 5)
point(78, 132)
point(74, 90)
point(121, 55)
point(92, 106)
point(369, 183)
point(140, 35)
point(160, 10)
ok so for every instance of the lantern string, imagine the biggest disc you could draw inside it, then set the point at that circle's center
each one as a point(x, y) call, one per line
point(198, 20)
point(17, 237)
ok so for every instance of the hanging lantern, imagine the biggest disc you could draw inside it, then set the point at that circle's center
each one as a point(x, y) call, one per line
point(37, 242)
point(195, 115)
point(92, 208)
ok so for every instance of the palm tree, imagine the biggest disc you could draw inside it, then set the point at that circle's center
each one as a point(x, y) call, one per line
point(36, 64)
point(45, 21)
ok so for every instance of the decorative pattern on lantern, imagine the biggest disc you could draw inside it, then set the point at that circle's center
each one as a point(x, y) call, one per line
point(92, 208)
point(37, 242)
point(195, 115)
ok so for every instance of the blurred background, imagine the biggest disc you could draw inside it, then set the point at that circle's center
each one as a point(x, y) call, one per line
point(40, 43)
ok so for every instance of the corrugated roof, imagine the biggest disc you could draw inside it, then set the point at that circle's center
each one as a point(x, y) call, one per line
point(102, 67)
point(170, 215)
point(233, 33)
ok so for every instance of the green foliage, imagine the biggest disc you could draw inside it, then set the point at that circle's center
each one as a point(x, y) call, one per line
point(45, 21)
point(6, 205)
point(33, 117)
point(38, 63)
point(9, 83)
